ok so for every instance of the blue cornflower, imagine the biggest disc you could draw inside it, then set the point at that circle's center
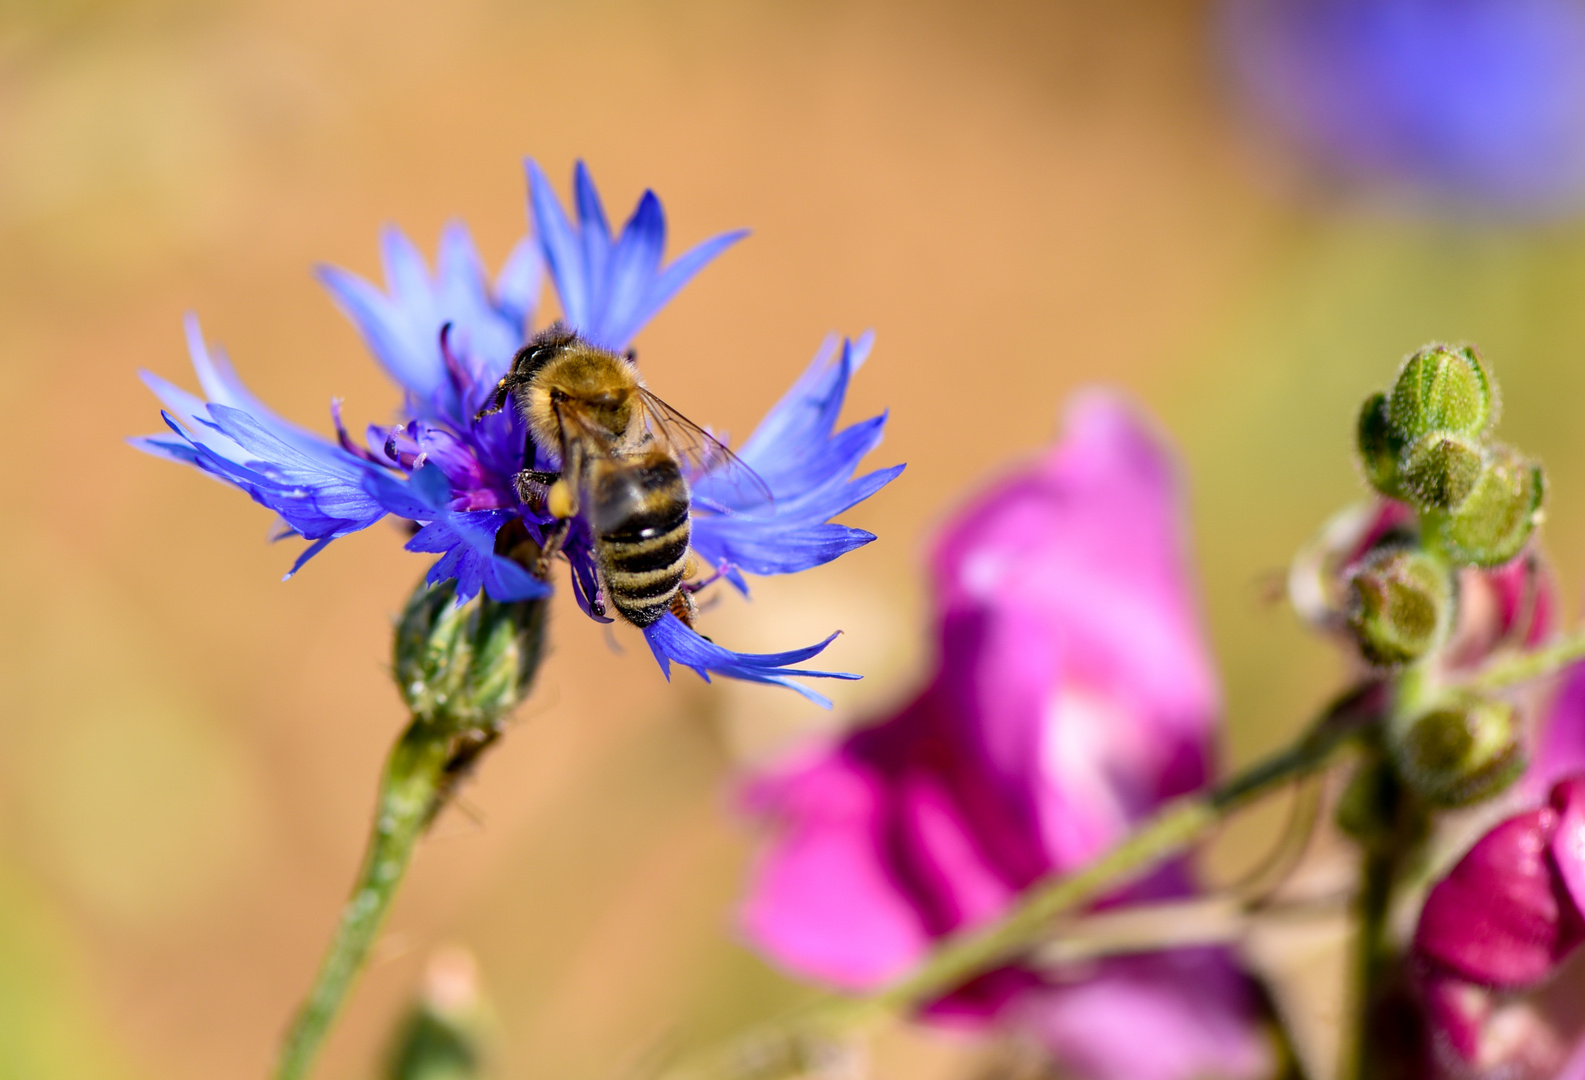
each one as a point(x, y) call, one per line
point(1481, 102)
point(447, 339)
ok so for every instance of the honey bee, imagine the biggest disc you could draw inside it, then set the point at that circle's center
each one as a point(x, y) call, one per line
point(623, 456)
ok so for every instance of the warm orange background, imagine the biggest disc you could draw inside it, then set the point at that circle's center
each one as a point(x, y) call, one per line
point(1019, 198)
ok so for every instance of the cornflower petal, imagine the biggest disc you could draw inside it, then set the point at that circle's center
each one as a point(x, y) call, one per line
point(402, 327)
point(670, 640)
point(518, 284)
point(314, 485)
point(608, 292)
point(465, 541)
point(807, 466)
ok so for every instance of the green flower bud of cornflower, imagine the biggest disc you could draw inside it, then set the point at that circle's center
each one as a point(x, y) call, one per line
point(1494, 521)
point(1400, 605)
point(1441, 469)
point(1380, 447)
point(1442, 388)
point(465, 667)
point(1460, 751)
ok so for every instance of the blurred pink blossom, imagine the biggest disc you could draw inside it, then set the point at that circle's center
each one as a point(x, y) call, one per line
point(1493, 935)
point(1072, 696)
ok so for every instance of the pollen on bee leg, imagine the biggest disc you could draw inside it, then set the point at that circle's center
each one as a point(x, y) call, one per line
point(690, 569)
point(559, 500)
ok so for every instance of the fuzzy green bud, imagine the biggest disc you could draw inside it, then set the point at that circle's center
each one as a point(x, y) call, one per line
point(1442, 388)
point(1400, 605)
point(1441, 469)
point(1461, 751)
point(1380, 446)
point(443, 1037)
point(466, 666)
point(1493, 523)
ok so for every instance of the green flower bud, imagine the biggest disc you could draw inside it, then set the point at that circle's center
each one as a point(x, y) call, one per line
point(466, 666)
point(443, 1038)
point(1401, 605)
point(1368, 807)
point(1375, 812)
point(1442, 388)
point(1440, 470)
point(1380, 446)
point(1459, 752)
point(1492, 524)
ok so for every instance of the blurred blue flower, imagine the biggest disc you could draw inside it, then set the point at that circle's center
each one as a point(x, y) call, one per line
point(1477, 103)
point(447, 338)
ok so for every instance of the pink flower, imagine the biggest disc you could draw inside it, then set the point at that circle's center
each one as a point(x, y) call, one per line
point(1072, 696)
point(1492, 934)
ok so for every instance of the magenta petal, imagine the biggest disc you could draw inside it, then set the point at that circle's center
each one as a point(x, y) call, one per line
point(1091, 545)
point(1495, 919)
point(822, 901)
point(1568, 840)
point(1164, 1016)
point(1560, 749)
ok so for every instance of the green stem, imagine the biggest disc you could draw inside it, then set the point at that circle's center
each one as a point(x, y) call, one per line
point(411, 788)
point(1526, 666)
point(786, 1050)
point(1377, 871)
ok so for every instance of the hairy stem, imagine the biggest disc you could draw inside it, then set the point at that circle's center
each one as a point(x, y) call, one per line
point(788, 1049)
point(411, 789)
point(1525, 666)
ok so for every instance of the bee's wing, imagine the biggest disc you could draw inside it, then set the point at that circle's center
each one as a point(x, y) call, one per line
point(701, 452)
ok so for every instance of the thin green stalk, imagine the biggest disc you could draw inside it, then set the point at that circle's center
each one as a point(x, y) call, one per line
point(1377, 872)
point(411, 788)
point(1526, 666)
point(789, 1049)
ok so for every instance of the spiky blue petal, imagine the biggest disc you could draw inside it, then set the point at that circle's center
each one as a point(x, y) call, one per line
point(465, 541)
point(670, 640)
point(316, 487)
point(401, 326)
point(808, 467)
point(609, 291)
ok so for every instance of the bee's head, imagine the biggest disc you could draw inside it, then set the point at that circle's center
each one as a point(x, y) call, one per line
point(600, 386)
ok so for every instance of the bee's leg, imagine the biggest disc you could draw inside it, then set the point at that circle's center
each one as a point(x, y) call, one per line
point(555, 536)
point(502, 389)
point(532, 487)
point(683, 607)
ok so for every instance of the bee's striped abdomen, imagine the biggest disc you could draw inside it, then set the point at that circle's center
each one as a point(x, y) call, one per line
point(639, 513)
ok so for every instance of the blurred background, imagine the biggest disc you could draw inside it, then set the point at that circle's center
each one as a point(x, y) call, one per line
point(1243, 213)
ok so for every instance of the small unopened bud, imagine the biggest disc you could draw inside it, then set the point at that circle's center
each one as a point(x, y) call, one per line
point(443, 1037)
point(1461, 751)
point(1442, 388)
point(1380, 446)
point(1368, 809)
point(1400, 605)
point(466, 666)
point(1492, 525)
point(1441, 469)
